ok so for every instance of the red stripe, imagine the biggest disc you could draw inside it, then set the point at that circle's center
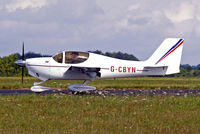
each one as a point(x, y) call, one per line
point(47, 66)
point(61, 66)
point(172, 51)
point(143, 70)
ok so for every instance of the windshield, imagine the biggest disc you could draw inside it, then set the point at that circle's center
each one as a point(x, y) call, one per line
point(75, 57)
point(58, 58)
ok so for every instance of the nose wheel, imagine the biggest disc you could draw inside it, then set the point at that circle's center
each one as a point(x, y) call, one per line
point(38, 89)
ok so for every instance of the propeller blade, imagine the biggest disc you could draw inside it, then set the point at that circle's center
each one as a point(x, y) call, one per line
point(23, 52)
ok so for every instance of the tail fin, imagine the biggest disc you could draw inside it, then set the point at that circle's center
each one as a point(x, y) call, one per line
point(168, 54)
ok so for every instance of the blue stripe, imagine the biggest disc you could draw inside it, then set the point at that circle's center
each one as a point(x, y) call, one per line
point(169, 51)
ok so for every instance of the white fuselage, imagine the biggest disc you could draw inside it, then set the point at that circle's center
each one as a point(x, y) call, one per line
point(74, 65)
point(49, 69)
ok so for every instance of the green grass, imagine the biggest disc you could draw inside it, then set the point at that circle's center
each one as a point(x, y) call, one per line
point(92, 114)
point(59, 113)
point(121, 83)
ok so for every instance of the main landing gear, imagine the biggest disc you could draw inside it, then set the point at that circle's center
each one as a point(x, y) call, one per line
point(74, 87)
point(81, 87)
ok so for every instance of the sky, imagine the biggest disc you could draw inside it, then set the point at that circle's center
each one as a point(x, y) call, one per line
point(136, 27)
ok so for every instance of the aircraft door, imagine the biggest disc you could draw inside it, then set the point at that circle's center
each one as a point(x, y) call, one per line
point(57, 66)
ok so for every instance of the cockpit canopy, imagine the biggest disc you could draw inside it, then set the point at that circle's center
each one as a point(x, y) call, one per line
point(58, 58)
point(71, 57)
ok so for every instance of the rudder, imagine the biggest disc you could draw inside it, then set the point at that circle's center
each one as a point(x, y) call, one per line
point(168, 54)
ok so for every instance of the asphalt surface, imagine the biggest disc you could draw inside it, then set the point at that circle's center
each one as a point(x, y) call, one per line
point(109, 92)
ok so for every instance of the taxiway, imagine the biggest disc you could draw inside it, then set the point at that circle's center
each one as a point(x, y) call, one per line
point(110, 92)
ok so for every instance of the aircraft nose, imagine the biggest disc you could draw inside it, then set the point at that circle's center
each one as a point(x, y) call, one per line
point(20, 62)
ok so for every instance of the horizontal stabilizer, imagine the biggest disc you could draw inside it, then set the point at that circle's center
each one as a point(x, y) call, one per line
point(156, 70)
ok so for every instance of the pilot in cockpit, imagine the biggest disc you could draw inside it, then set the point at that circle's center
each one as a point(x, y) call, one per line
point(75, 57)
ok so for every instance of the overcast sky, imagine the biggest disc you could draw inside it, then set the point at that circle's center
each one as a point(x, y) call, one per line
point(133, 26)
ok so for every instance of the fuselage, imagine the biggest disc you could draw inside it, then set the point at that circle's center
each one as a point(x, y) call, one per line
point(57, 67)
point(73, 65)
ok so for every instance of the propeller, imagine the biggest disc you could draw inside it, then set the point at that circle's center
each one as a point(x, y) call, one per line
point(23, 59)
point(22, 63)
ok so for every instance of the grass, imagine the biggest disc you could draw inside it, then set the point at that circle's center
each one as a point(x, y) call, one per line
point(60, 113)
point(89, 114)
point(121, 83)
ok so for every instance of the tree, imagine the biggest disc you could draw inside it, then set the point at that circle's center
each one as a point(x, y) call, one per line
point(8, 66)
point(119, 55)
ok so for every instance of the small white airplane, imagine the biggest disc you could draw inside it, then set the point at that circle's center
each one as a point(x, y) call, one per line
point(74, 65)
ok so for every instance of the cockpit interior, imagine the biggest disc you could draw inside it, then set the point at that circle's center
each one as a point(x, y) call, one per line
point(71, 57)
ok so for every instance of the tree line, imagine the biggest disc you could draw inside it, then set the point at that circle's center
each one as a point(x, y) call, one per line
point(189, 71)
point(8, 67)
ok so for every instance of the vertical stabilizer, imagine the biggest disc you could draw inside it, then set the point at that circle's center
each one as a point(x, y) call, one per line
point(168, 54)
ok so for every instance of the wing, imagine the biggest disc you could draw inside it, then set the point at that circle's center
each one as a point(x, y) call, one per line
point(91, 72)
